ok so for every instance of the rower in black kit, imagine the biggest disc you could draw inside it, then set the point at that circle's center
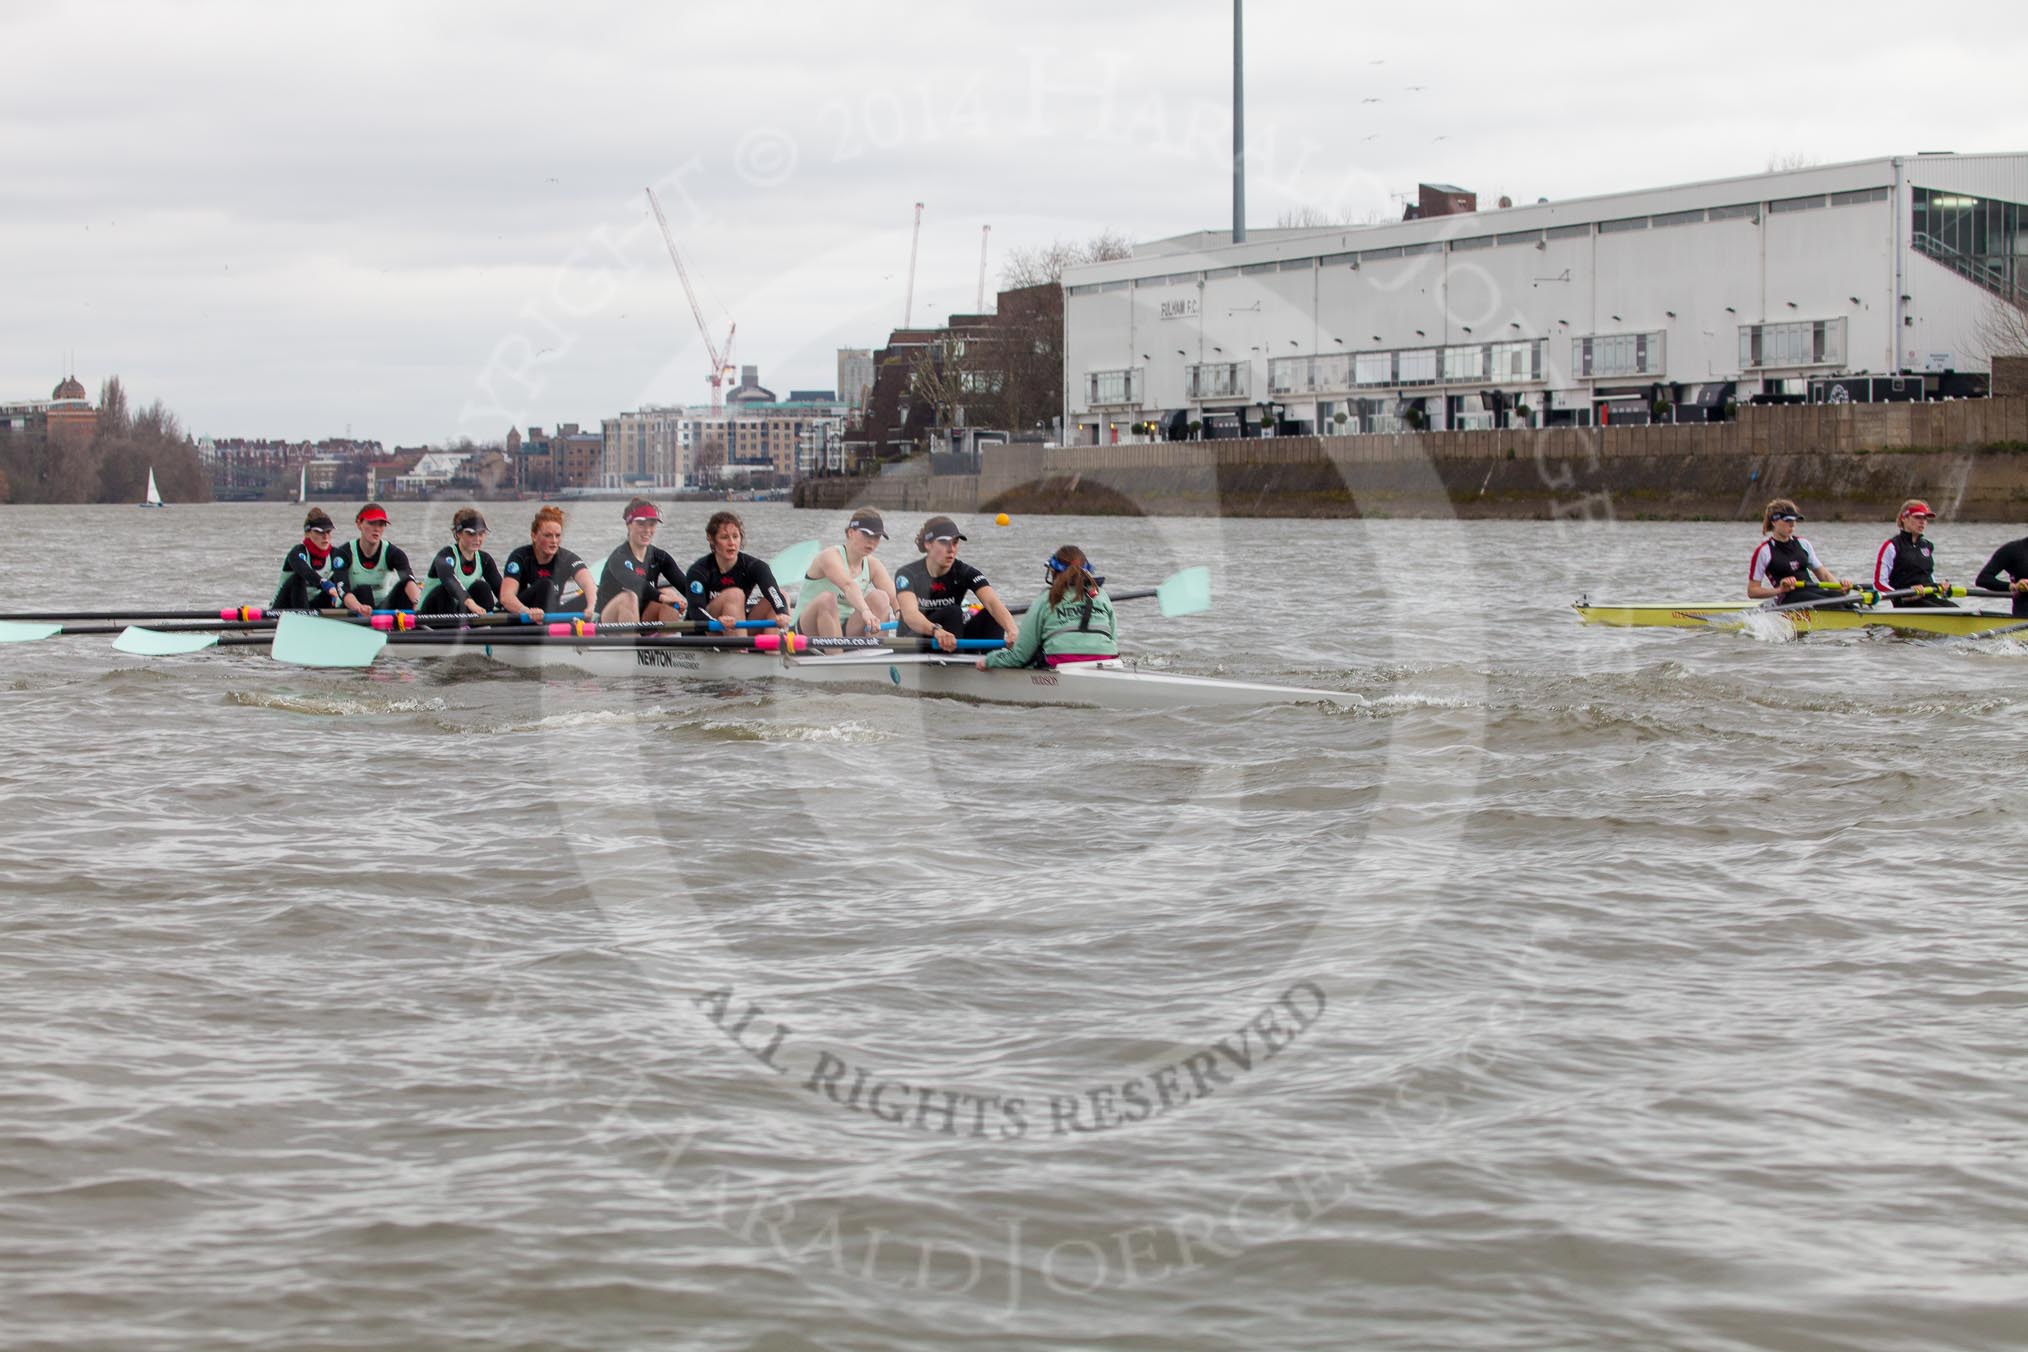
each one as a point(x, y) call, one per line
point(754, 592)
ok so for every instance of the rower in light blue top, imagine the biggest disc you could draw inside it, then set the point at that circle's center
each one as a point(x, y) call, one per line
point(846, 591)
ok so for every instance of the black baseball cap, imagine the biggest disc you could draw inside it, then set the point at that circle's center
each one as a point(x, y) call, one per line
point(941, 528)
point(868, 520)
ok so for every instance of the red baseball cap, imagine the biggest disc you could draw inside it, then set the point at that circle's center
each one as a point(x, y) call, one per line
point(372, 511)
point(1917, 508)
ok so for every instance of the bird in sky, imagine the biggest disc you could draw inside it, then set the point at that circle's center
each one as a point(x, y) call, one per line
point(1434, 140)
point(1369, 100)
point(1417, 89)
point(1374, 137)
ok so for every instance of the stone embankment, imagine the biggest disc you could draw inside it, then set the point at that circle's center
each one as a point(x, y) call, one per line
point(1969, 458)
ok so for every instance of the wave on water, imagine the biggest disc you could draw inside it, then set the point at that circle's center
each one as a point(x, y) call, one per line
point(331, 706)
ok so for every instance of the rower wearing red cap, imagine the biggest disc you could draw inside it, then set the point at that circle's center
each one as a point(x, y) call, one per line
point(641, 581)
point(1909, 559)
point(1783, 563)
point(375, 575)
point(846, 591)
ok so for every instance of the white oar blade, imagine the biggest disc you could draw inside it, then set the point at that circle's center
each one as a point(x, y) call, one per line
point(1185, 593)
point(153, 643)
point(306, 641)
point(12, 631)
point(790, 565)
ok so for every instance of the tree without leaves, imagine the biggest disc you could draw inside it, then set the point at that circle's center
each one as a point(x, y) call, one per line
point(1032, 267)
point(2001, 330)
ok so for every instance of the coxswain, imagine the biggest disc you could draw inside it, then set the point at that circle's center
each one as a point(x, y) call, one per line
point(533, 581)
point(2010, 560)
point(1909, 559)
point(846, 591)
point(1783, 563)
point(729, 586)
point(462, 577)
point(374, 574)
point(930, 593)
point(306, 571)
point(641, 581)
point(1072, 621)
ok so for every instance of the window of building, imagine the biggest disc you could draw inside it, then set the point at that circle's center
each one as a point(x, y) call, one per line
point(1464, 363)
point(1113, 387)
point(1217, 380)
point(1474, 242)
point(1617, 227)
point(1518, 237)
point(1566, 232)
point(1298, 264)
point(1417, 367)
point(1511, 362)
point(1796, 203)
point(1255, 269)
point(1744, 211)
point(1859, 198)
point(1373, 368)
point(1617, 354)
point(1806, 342)
point(1678, 218)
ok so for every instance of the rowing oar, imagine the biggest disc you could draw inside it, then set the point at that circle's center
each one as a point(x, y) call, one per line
point(304, 640)
point(174, 640)
point(1186, 592)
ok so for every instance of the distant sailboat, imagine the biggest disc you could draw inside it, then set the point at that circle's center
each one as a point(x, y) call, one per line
point(154, 493)
point(303, 486)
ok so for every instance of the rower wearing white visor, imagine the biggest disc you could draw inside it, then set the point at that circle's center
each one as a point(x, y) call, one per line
point(930, 593)
point(1783, 564)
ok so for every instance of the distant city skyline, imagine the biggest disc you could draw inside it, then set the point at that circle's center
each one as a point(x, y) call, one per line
point(428, 223)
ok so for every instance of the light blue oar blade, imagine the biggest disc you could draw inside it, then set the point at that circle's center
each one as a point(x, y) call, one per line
point(1185, 593)
point(12, 631)
point(306, 641)
point(790, 565)
point(154, 643)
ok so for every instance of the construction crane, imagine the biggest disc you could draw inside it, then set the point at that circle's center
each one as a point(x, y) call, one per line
point(908, 301)
point(985, 234)
point(721, 356)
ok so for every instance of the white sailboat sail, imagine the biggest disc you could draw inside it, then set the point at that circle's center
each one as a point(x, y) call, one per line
point(154, 498)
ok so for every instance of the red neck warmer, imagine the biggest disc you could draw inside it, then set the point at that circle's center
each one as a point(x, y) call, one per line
point(317, 553)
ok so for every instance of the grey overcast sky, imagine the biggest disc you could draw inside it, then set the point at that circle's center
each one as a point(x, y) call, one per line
point(425, 220)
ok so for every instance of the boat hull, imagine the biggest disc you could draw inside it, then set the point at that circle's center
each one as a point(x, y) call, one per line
point(1951, 622)
point(1110, 685)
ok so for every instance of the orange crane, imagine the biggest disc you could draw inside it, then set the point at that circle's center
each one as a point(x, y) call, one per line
point(721, 357)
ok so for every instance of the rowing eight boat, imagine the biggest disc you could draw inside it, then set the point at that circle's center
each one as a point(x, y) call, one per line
point(1109, 684)
point(1953, 620)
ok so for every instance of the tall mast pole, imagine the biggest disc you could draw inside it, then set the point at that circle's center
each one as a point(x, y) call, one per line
point(1238, 124)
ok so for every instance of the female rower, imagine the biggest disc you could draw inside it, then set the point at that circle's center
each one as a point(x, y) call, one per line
point(462, 577)
point(1783, 563)
point(931, 592)
point(1070, 622)
point(1908, 560)
point(846, 591)
point(373, 573)
point(306, 571)
point(729, 586)
point(641, 581)
point(2011, 559)
point(532, 583)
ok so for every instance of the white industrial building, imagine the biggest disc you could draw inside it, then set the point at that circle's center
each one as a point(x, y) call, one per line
point(1670, 302)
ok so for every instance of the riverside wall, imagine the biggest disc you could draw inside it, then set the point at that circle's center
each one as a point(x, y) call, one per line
point(1969, 458)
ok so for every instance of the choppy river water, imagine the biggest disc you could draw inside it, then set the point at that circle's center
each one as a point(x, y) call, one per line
point(1585, 989)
